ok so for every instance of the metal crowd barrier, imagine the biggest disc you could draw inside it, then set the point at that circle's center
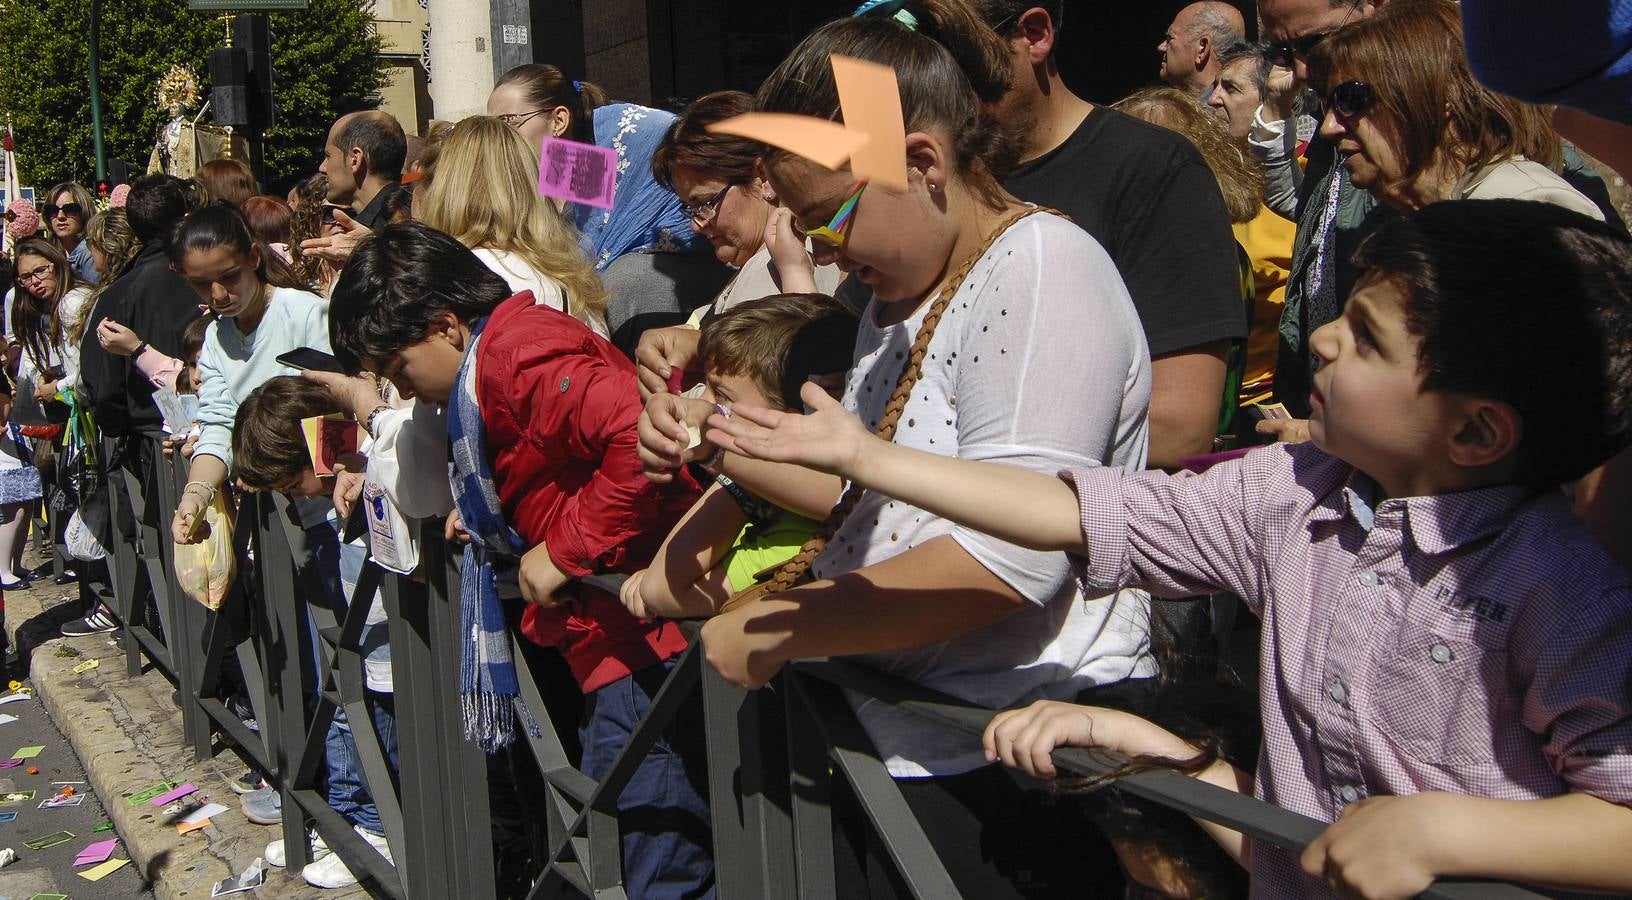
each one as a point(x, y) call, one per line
point(772, 754)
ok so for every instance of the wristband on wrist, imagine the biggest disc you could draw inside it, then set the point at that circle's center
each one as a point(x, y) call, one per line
point(373, 414)
point(138, 351)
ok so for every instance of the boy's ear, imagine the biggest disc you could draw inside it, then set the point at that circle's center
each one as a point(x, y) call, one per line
point(1491, 431)
point(446, 326)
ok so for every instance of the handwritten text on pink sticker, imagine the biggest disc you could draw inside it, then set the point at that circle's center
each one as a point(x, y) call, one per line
point(577, 172)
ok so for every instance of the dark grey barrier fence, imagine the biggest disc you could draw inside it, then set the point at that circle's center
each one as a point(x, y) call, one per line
point(772, 754)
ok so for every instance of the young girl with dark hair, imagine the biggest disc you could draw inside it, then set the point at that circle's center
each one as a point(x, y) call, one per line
point(995, 331)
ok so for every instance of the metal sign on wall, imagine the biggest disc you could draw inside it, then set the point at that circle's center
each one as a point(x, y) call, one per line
point(244, 5)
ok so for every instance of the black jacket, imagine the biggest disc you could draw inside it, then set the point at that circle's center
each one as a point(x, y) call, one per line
point(158, 305)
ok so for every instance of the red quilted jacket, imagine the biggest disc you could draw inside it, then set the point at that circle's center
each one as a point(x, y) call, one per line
point(560, 405)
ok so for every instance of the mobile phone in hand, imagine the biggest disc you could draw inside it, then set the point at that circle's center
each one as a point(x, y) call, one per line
point(307, 358)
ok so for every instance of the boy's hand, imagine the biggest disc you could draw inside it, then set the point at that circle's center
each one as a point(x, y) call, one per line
point(744, 651)
point(1383, 847)
point(629, 593)
point(830, 439)
point(539, 577)
point(454, 529)
point(1025, 738)
point(662, 351)
point(788, 254)
point(1285, 431)
point(348, 486)
point(664, 434)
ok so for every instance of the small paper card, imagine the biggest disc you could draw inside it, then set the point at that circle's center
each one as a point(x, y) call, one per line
point(177, 411)
point(105, 826)
point(49, 897)
point(150, 793)
point(17, 695)
point(16, 797)
point(97, 873)
point(203, 813)
point(59, 802)
point(7, 817)
point(190, 827)
point(327, 439)
point(28, 752)
point(577, 172)
point(96, 852)
point(174, 795)
point(86, 666)
point(10, 763)
point(247, 880)
point(6, 719)
point(50, 840)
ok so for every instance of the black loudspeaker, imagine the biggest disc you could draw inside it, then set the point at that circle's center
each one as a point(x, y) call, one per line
point(230, 87)
point(254, 35)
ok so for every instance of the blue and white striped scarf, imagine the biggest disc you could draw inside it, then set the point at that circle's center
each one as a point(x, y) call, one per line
point(488, 686)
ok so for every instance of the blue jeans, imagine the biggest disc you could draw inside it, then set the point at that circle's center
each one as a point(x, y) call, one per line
point(667, 841)
point(347, 790)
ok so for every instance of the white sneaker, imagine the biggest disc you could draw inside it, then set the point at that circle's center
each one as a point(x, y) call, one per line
point(275, 856)
point(331, 870)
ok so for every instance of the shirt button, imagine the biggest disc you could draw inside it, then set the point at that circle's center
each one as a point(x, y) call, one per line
point(1348, 793)
point(1441, 653)
point(1368, 579)
point(1338, 692)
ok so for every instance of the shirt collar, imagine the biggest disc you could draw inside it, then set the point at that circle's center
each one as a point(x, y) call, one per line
point(1436, 524)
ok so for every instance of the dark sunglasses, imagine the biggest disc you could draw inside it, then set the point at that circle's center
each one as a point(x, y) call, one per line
point(1288, 53)
point(1350, 99)
point(71, 209)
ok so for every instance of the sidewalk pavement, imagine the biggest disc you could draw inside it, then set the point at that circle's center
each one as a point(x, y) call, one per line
point(127, 732)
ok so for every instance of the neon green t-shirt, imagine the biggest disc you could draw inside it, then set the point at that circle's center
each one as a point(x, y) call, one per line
point(757, 549)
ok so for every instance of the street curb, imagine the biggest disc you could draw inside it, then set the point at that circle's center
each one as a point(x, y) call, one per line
point(127, 732)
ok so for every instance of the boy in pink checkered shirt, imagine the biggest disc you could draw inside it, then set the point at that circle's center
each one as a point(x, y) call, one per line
point(1446, 651)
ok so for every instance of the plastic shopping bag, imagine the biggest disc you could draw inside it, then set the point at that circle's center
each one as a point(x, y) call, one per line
point(205, 570)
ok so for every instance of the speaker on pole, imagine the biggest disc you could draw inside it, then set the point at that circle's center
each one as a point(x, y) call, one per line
point(230, 87)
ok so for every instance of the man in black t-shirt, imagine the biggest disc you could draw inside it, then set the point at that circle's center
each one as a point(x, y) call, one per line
point(1148, 197)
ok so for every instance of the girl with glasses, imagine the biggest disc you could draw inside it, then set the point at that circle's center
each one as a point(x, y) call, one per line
point(1413, 127)
point(994, 331)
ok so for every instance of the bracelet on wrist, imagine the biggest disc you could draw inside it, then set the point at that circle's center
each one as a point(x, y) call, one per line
point(203, 484)
point(373, 415)
point(138, 351)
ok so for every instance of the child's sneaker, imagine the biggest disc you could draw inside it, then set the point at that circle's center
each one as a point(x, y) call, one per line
point(248, 783)
point(276, 856)
point(263, 807)
point(331, 870)
point(98, 622)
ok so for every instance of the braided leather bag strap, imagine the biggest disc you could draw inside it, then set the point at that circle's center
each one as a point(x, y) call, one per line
point(797, 570)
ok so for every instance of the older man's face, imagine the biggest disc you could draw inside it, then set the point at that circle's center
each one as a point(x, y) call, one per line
point(1299, 24)
point(1177, 51)
point(1235, 97)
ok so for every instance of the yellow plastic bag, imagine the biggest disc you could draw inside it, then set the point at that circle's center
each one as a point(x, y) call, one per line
point(205, 570)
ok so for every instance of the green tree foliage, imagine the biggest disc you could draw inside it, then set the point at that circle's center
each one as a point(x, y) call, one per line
point(326, 59)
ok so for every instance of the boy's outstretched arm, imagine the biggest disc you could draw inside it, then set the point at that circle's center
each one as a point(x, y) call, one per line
point(1016, 505)
point(1397, 846)
point(677, 583)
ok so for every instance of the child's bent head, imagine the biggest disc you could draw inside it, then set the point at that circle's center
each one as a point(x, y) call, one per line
point(404, 291)
point(215, 251)
point(1522, 304)
point(268, 447)
point(771, 346)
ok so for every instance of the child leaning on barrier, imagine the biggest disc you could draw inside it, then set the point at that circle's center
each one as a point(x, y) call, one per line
point(760, 353)
point(541, 415)
point(1446, 648)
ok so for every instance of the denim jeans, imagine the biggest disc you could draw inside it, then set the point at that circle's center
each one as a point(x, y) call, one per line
point(347, 789)
point(667, 842)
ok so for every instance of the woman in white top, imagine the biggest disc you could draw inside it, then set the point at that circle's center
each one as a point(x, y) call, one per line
point(1030, 353)
point(50, 303)
point(1414, 127)
point(482, 188)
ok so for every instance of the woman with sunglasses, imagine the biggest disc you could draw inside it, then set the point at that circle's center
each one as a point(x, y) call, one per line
point(66, 213)
point(1413, 127)
point(994, 331)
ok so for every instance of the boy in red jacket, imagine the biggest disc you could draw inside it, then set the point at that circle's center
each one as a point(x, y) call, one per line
point(541, 415)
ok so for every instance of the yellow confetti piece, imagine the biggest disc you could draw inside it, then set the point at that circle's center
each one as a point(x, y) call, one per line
point(14, 685)
point(186, 827)
point(97, 873)
point(86, 666)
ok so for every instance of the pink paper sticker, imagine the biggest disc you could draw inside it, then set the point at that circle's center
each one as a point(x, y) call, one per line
point(10, 762)
point(577, 172)
point(97, 852)
point(174, 795)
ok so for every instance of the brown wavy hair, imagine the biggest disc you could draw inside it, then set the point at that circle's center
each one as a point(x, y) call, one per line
point(1410, 53)
point(1239, 177)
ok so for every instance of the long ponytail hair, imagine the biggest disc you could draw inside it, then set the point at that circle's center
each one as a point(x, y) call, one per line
point(546, 87)
point(221, 225)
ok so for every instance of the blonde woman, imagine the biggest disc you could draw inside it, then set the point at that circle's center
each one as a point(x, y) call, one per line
point(481, 188)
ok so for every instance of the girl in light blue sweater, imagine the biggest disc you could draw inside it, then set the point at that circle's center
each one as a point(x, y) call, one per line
point(263, 312)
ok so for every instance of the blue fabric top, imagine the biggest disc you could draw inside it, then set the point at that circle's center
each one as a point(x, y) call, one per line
point(645, 216)
point(1575, 53)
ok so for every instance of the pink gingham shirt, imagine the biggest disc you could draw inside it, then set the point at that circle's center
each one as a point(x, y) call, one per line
point(1477, 642)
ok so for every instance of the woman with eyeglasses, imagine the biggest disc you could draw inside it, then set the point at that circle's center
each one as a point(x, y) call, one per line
point(539, 101)
point(50, 303)
point(1413, 127)
point(66, 213)
point(724, 192)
